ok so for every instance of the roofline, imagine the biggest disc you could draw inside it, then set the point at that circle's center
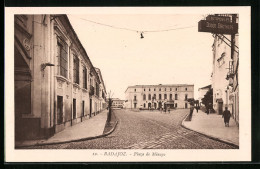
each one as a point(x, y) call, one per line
point(205, 87)
point(101, 77)
point(162, 85)
point(78, 41)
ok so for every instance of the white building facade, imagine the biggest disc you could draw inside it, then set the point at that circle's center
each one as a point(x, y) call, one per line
point(225, 72)
point(56, 84)
point(117, 103)
point(157, 96)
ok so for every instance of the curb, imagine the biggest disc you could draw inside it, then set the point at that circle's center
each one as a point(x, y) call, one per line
point(69, 141)
point(206, 135)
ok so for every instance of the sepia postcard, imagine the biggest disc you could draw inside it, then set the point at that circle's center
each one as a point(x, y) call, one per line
point(127, 84)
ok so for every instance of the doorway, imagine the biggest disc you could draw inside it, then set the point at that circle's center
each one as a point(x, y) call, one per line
point(186, 105)
point(149, 105)
point(90, 107)
point(160, 105)
point(135, 105)
point(74, 108)
point(83, 108)
point(220, 107)
point(59, 109)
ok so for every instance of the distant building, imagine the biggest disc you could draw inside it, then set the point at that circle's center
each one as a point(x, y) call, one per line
point(117, 103)
point(157, 96)
point(202, 92)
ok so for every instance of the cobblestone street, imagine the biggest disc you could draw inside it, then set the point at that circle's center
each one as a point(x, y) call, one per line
point(147, 130)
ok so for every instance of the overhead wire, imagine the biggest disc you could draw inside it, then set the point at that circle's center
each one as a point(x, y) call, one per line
point(134, 30)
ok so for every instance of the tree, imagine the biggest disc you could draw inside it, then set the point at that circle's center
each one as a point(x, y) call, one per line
point(208, 98)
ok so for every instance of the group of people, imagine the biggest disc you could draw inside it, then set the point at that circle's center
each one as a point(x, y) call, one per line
point(165, 109)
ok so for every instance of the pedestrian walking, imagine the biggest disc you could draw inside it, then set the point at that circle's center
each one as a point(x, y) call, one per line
point(191, 110)
point(197, 108)
point(207, 110)
point(226, 115)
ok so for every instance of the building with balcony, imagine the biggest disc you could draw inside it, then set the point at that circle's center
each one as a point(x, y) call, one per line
point(157, 96)
point(55, 81)
point(225, 72)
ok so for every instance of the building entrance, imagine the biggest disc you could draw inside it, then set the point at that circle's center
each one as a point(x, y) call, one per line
point(149, 105)
point(90, 107)
point(59, 109)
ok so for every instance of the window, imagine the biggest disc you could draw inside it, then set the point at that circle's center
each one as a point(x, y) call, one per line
point(160, 89)
point(85, 78)
point(176, 89)
point(170, 96)
point(170, 89)
point(160, 96)
point(176, 96)
point(75, 69)
point(149, 89)
point(63, 58)
point(186, 89)
point(144, 97)
point(135, 90)
point(144, 89)
point(97, 89)
point(154, 96)
point(165, 96)
point(154, 89)
point(186, 97)
point(149, 97)
point(134, 98)
point(165, 89)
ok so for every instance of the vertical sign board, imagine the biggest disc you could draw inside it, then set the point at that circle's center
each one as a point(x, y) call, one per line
point(217, 27)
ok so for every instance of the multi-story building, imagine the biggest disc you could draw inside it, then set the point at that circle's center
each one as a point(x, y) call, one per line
point(56, 84)
point(117, 103)
point(221, 61)
point(102, 104)
point(157, 96)
point(225, 72)
point(202, 91)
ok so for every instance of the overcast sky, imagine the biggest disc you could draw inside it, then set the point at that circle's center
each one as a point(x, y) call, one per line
point(181, 56)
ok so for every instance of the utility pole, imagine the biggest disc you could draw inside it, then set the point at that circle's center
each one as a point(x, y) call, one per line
point(234, 17)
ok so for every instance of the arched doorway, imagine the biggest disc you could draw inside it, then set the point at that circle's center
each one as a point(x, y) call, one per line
point(149, 105)
point(155, 105)
point(160, 105)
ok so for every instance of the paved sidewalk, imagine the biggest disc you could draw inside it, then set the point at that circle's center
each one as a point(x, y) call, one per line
point(92, 127)
point(213, 126)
